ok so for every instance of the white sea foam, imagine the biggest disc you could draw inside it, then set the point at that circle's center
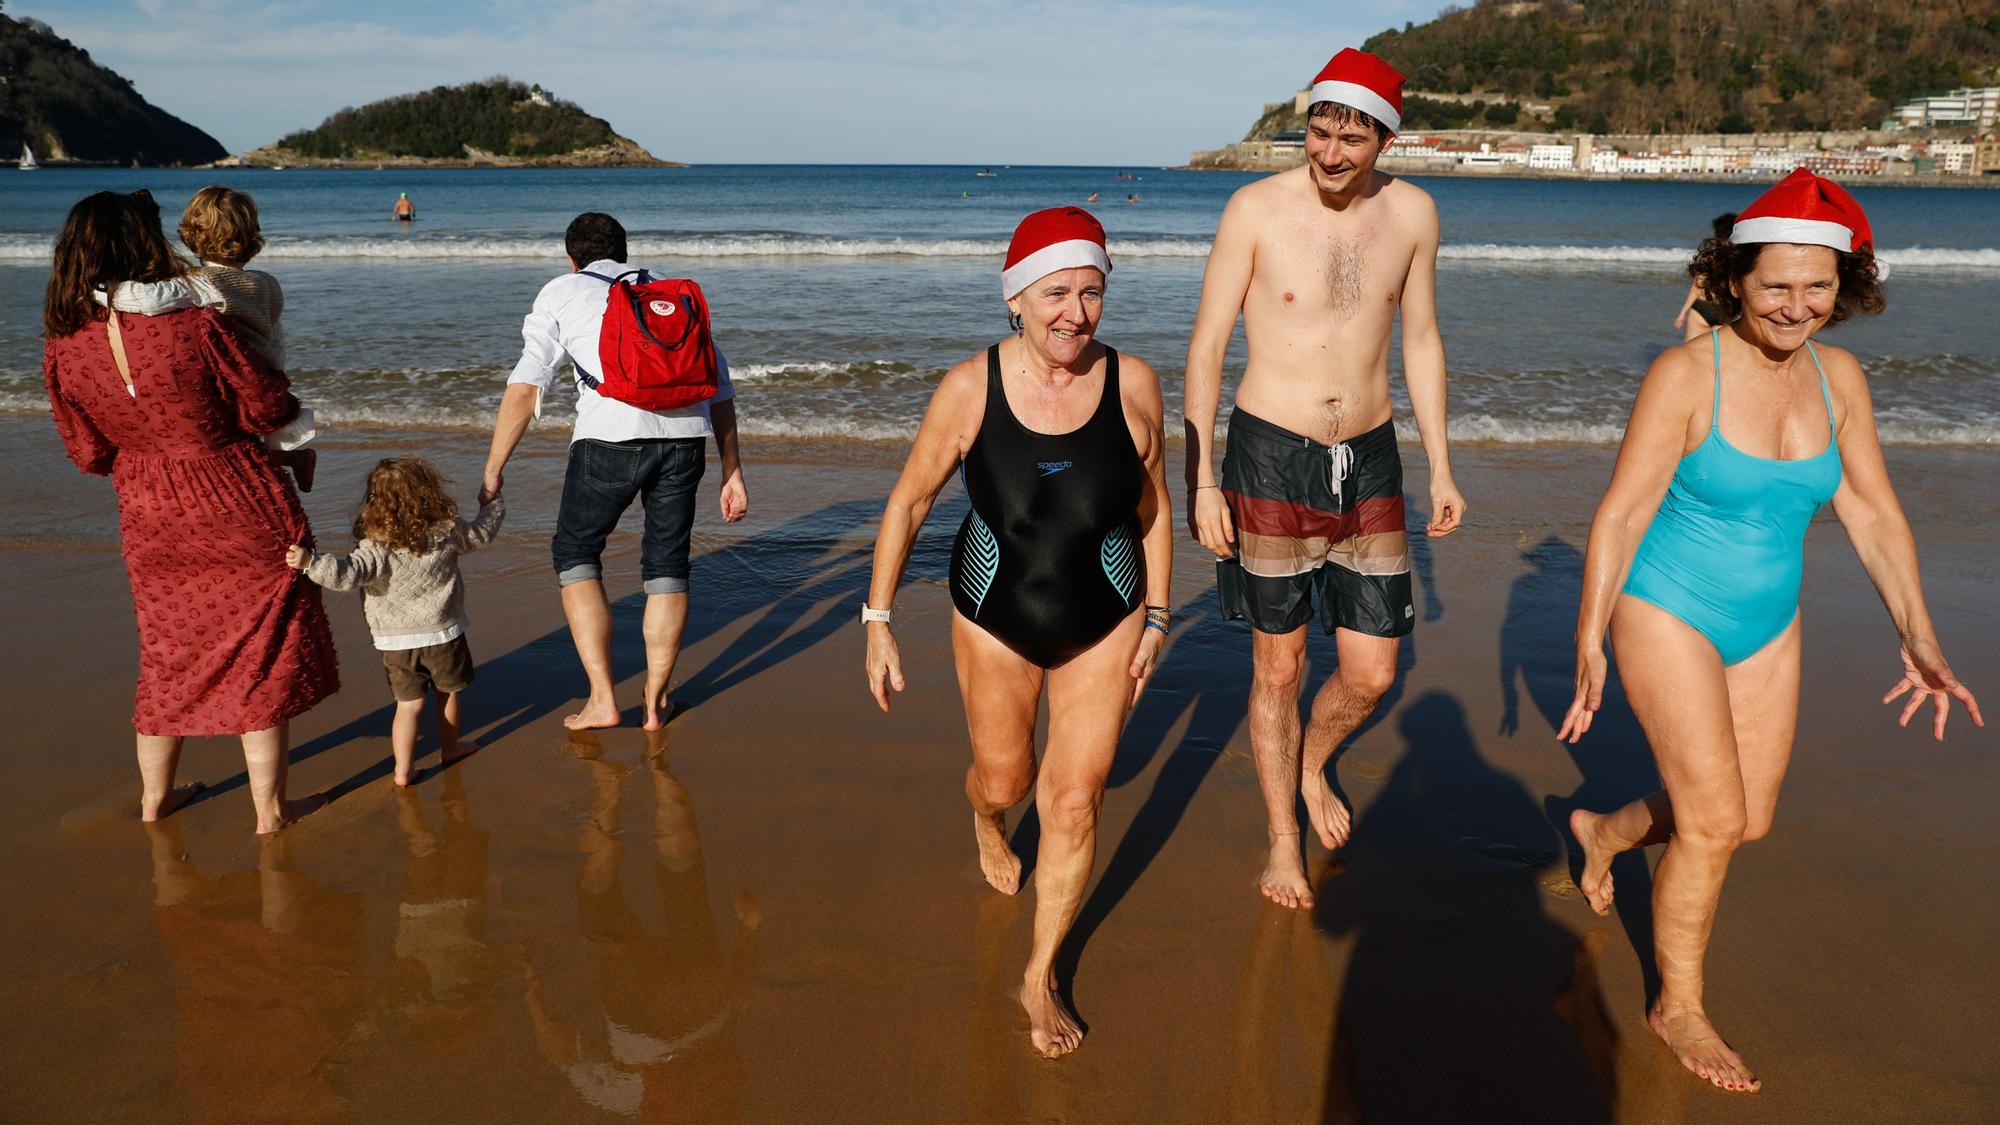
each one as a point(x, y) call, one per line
point(807, 421)
point(35, 248)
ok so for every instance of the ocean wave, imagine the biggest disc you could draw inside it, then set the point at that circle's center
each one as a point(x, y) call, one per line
point(1915, 257)
point(798, 421)
point(35, 248)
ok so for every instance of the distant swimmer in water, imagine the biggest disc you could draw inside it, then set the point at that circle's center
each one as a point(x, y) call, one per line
point(1092, 198)
point(1059, 577)
point(405, 210)
point(1132, 197)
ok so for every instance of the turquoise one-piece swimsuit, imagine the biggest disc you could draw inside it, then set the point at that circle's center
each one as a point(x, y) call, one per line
point(1727, 550)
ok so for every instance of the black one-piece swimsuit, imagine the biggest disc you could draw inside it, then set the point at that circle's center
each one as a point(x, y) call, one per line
point(1048, 560)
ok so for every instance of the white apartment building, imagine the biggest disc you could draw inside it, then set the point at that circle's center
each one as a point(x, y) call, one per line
point(1640, 164)
point(1603, 161)
point(1954, 158)
point(1779, 161)
point(1975, 107)
point(1552, 156)
point(1718, 161)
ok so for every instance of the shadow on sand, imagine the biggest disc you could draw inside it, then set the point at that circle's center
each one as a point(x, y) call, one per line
point(774, 580)
point(1538, 649)
point(1448, 1011)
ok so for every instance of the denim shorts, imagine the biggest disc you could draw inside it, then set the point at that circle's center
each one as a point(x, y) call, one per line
point(602, 480)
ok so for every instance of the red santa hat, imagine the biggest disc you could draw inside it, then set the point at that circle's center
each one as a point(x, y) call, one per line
point(1059, 238)
point(1362, 81)
point(1808, 210)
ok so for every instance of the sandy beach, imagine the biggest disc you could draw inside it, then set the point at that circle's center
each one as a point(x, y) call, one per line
point(773, 912)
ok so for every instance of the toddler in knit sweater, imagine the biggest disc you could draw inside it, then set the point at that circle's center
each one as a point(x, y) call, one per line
point(220, 225)
point(406, 567)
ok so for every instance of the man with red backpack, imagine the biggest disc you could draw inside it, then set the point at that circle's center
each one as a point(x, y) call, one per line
point(650, 390)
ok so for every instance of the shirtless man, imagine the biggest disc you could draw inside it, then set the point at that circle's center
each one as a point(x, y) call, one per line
point(1319, 260)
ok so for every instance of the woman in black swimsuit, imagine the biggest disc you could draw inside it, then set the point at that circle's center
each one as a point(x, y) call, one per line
point(1060, 574)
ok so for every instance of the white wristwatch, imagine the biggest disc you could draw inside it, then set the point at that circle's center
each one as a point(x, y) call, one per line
point(870, 613)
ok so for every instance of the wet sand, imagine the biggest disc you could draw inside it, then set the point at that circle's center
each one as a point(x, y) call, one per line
point(774, 912)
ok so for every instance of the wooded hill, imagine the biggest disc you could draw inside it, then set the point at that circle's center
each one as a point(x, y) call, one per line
point(59, 102)
point(1682, 66)
point(498, 117)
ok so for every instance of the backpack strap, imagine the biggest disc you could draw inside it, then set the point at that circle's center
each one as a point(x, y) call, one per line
point(582, 375)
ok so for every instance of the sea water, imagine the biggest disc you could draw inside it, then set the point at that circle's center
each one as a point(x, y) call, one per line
point(841, 294)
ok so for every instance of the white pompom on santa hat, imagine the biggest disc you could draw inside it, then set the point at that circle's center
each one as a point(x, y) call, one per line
point(1059, 238)
point(1359, 80)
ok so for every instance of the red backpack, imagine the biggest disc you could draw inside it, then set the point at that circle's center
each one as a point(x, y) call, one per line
point(654, 350)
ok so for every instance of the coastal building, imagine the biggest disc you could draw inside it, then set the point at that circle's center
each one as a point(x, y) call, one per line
point(1975, 107)
point(1986, 156)
point(1604, 162)
point(1641, 164)
point(1843, 164)
point(1954, 158)
point(1552, 157)
point(1411, 145)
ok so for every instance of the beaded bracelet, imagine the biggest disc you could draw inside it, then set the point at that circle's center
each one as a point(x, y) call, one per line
point(1156, 623)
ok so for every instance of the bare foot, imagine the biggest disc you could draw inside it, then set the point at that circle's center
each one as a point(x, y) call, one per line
point(658, 708)
point(293, 812)
point(152, 809)
point(1284, 878)
point(596, 715)
point(1329, 816)
point(1595, 882)
point(1052, 1028)
point(997, 861)
point(466, 748)
point(1691, 1037)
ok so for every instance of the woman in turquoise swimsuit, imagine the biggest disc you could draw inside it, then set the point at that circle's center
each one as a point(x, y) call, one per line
point(1694, 564)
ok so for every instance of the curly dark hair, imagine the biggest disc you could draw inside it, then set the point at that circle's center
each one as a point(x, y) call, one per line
point(406, 501)
point(108, 238)
point(1720, 262)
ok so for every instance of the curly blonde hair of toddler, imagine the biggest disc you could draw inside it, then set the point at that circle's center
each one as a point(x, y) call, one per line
point(406, 500)
point(220, 225)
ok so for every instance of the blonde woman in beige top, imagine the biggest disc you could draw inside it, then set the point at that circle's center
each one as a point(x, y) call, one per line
point(220, 225)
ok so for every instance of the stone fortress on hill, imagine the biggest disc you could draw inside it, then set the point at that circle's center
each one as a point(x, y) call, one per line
point(1951, 138)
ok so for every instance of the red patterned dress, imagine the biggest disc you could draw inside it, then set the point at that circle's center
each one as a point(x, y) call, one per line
point(231, 639)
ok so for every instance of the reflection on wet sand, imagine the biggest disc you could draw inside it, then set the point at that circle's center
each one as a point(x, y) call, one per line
point(659, 1042)
point(1287, 1023)
point(268, 967)
point(1004, 1083)
point(447, 976)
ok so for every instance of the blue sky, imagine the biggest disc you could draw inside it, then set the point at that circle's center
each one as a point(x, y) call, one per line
point(759, 81)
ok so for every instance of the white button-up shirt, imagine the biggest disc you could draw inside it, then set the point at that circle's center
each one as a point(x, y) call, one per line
point(564, 323)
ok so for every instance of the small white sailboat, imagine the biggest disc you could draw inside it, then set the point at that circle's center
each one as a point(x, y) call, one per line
point(28, 161)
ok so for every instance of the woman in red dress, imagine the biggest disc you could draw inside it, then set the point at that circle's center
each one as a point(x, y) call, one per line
point(231, 640)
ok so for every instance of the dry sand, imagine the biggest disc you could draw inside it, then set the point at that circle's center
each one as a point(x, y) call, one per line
point(774, 913)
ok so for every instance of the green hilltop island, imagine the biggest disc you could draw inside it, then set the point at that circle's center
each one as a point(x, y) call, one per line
point(1697, 88)
point(58, 106)
point(498, 123)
